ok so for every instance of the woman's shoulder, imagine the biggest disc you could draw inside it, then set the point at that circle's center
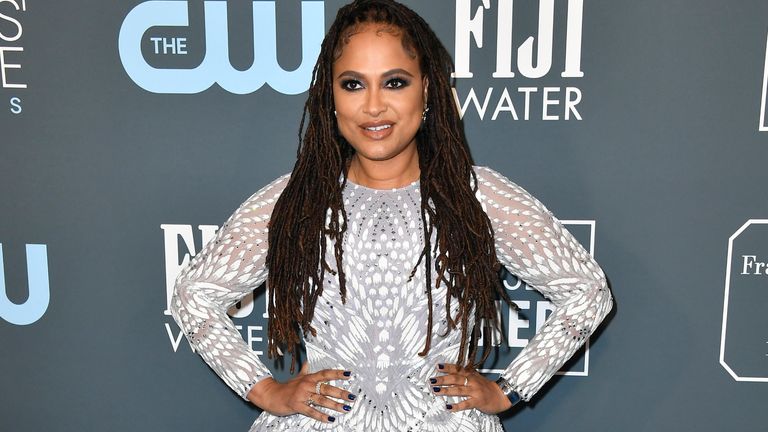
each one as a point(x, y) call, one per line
point(496, 189)
point(490, 179)
point(268, 194)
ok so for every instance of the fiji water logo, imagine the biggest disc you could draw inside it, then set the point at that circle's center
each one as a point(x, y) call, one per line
point(148, 19)
point(39, 293)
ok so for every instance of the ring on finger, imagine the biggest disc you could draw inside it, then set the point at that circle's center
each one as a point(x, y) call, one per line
point(318, 386)
point(310, 402)
point(466, 380)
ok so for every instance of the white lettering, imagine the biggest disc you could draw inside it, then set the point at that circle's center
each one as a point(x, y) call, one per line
point(570, 104)
point(4, 65)
point(547, 102)
point(467, 27)
point(175, 340)
point(525, 58)
point(504, 40)
point(527, 91)
point(550, 99)
point(752, 266)
point(505, 104)
point(171, 233)
point(14, 21)
point(169, 45)
point(472, 97)
point(573, 41)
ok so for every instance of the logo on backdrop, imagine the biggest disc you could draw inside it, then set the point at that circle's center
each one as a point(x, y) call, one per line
point(149, 23)
point(763, 127)
point(39, 292)
point(551, 103)
point(520, 325)
point(11, 51)
point(744, 338)
point(254, 335)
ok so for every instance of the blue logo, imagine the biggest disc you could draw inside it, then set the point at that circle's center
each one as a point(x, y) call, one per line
point(39, 291)
point(215, 66)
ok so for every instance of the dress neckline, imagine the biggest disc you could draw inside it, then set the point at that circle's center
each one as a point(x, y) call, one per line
point(411, 185)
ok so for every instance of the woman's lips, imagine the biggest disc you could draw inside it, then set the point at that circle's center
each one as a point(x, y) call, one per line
point(377, 131)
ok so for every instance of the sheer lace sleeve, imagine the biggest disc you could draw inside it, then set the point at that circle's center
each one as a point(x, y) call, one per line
point(535, 246)
point(227, 268)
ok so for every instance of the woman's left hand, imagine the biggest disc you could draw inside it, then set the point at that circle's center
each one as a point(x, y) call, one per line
point(481, 393)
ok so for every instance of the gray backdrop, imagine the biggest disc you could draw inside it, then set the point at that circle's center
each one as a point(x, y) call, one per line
point(125, 141)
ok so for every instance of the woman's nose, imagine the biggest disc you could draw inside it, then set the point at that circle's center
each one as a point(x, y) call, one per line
point(374, 103)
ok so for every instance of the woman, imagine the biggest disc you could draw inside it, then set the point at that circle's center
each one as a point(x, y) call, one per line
point(383, 248)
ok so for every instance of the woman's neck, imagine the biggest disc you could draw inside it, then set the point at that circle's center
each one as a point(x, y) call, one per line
point(389, 174)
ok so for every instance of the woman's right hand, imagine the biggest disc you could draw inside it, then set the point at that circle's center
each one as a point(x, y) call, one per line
point(298, 395)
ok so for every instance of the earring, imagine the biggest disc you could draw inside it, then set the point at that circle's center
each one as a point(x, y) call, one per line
point(424, 114)
point(334, 113)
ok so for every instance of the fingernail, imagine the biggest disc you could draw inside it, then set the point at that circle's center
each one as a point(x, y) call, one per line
point(331, 419)
point(440, 366)
point(436, 389)
point(347, 373)
point(351, 396)
point(433, 381)
point(449, 406)
point(347, 408)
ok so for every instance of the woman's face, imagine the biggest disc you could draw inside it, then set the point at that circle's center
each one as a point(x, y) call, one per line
point(379, 94)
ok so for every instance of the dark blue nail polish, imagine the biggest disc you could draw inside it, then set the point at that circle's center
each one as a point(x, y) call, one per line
point(347, 373)
point(347, 408)
point(440, 366)
point(436, 389)
point(449, 406)
point(331, 419)
point(351, 396)
point(433, 381)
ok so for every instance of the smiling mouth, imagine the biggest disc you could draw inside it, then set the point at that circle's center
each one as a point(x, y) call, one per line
point(378, 128)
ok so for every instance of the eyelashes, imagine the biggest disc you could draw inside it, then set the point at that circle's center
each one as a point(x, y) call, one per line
point(395, 83)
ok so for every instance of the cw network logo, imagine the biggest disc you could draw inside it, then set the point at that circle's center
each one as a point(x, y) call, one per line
point(39, 290)
point(744, 338)
point(151, 16)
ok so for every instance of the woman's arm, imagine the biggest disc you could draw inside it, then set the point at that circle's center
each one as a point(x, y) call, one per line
point(228, 267)
point(535, 246)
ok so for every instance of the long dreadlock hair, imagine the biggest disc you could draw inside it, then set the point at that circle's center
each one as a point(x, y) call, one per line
point(310, 207)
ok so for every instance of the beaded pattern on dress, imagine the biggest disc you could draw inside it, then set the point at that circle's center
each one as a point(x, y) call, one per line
point(381, 328)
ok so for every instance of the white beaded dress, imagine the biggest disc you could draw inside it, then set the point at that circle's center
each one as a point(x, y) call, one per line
point(378, 333)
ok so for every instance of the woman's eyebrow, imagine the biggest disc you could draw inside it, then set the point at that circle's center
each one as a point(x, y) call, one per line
point(359, 76)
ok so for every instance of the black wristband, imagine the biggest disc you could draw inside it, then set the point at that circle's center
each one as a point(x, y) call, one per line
point(508, 389)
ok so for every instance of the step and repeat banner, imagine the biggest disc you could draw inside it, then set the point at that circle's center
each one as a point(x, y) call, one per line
point(130, 130)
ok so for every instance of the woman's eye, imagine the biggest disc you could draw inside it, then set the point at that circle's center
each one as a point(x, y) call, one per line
point(351, 85)
point(396, 83)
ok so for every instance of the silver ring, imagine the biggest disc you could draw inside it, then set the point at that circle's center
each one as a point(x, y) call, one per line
point(310, 402)
point(318, 385)
point(466, 380)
